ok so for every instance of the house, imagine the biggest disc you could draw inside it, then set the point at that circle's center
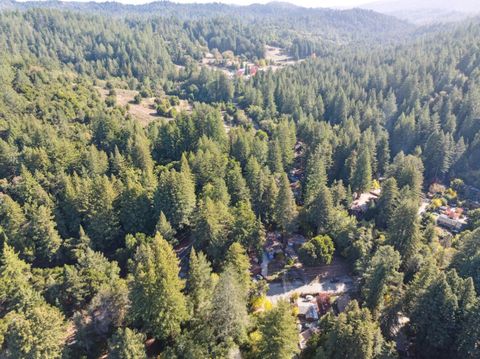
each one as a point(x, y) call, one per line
point(296, 240)
point(273, 245)
point(361, 204)
point(308, 309)
point(450, 223)
point(452, 218)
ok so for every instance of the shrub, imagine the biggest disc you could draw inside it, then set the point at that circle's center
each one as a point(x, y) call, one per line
point(318, 250)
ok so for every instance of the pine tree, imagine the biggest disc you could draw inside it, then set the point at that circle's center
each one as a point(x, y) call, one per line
point(42, 233)
point(95, 161)
point(29, 190)
point(13, 222)
point(436, 155)
point(387, 202)
point(467, 260)
point(404, 229)
point(275, 160)
point(316, 175)
point(408, 171)
point(341, 108)
point(433, 320)
point(156, 289)
point(213, 227)
point(361, 180)
point(8, 159)
point(268, 200)
point(37, 332)
point(244, 228)
point(381, 278)
point(353, 334)
point(237, 261)
point(134, 206)
point(126, 344)
point(256, 182)
point(236, 184)
point(200, 285)
point(175, 197)
point(279, 333)
point(102, 220)
point(230, 307)
point(15, 280)
point(320, 213)
point(285, 207)
point(467, 339)
point(217, 191)
point(165, 229)
point(383, 154)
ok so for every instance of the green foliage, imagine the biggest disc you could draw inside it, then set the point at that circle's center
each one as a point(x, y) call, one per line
point(230, 317)
point(175, 197)
point(318, 250)
point(387, 202)
point(238, 263)
point(86, 278)
point(279, 333)
point(382, 280)
point(127, 344)
point(439, 313)
point(200, 285)
point(467, 260)
point(246, 229)
point(404, 231)
point(83, 183)
point(15, 284)
point(165, 229)
point(212, 228)
point(156, 289)
point(37, 332)
point(353, 334)
point(361, 180)
point(285, 207)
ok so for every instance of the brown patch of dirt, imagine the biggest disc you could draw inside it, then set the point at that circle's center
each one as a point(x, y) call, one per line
point(144, 112)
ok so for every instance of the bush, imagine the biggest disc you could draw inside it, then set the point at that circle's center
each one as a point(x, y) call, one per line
point(174, 101)
point(110, 101)
point(318, 250)
point(163, 108)
point(137, 99)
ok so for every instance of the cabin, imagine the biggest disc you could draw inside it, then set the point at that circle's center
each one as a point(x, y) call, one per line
point(444, 220)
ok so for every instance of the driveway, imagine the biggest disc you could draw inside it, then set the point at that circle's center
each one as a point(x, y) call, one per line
point(285, 289)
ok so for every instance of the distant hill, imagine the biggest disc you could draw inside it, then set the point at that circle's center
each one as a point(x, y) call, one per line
point(333, 24)
point(427, 11)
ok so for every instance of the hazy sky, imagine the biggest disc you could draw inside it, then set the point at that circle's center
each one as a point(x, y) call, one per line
point(307, 3)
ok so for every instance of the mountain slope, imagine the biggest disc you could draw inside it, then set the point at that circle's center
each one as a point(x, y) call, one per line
point(426, 11)
point(337, 24)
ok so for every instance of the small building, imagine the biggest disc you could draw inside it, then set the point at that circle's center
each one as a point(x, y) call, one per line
point(361, 204)
point(450, 223)
point(308, 310)
point(296, 240)
point(273, 248)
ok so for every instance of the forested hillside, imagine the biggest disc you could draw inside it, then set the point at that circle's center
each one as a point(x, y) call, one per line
point(324, 206)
